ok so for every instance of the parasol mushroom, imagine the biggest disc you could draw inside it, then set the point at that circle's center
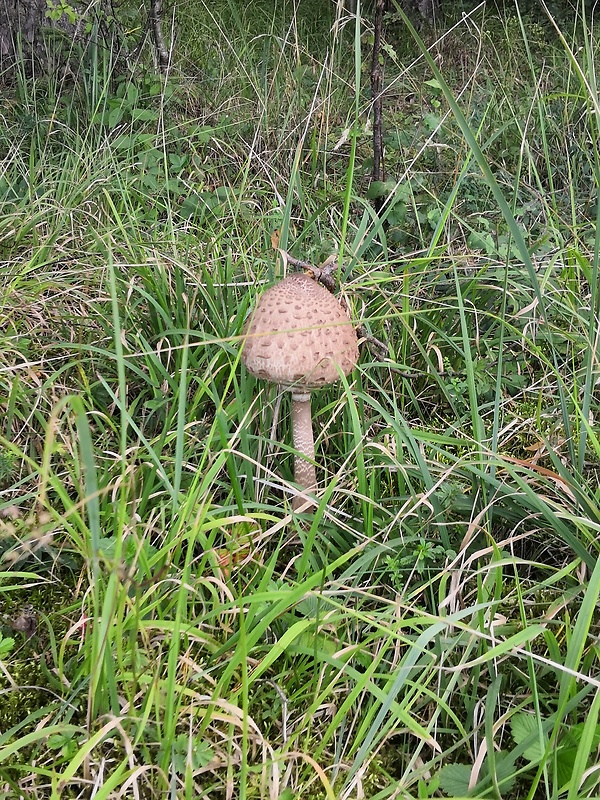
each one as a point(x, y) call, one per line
point(300, 337)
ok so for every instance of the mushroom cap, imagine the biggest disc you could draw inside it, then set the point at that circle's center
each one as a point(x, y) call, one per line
point(299, 335)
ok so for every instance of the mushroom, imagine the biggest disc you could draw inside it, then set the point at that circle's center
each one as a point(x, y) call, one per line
point(301, 338)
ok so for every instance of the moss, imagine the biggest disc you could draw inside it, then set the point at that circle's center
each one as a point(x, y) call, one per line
point(30, 661)
point(18, 703)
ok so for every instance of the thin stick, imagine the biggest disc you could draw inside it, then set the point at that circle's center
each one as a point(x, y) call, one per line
point(377, 95)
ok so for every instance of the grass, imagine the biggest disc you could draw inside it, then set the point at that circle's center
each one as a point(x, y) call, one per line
point(430, 631)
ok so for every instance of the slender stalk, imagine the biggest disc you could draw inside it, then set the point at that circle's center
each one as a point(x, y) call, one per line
point(304, 444)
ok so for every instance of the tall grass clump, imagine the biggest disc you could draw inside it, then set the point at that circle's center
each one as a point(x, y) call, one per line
point(167, 624)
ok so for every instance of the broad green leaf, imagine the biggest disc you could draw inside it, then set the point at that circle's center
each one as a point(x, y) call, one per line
point(523, 725)
point(454, 779)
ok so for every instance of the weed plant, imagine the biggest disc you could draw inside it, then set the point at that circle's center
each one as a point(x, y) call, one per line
point(168, 625)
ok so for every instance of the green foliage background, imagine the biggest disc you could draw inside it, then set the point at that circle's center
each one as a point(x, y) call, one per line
point(167, 623)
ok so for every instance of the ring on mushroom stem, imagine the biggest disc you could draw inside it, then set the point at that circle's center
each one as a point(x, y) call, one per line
point(301, 338)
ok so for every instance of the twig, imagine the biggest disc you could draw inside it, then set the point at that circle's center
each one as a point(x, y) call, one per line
point(323, 274)
point(381, 348)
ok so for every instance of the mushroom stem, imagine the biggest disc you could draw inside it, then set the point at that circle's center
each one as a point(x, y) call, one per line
point(304, 469)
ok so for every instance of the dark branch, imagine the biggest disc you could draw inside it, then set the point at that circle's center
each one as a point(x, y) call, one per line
point(377, 94)
point(159, 42)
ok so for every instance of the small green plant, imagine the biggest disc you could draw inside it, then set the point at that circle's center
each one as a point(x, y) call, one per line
point(56, 9)
point(8, 464)
point(421, 559)
point(526, 729)
point(7, 644)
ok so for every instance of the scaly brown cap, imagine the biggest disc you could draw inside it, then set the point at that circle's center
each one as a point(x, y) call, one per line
point(299, 336)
